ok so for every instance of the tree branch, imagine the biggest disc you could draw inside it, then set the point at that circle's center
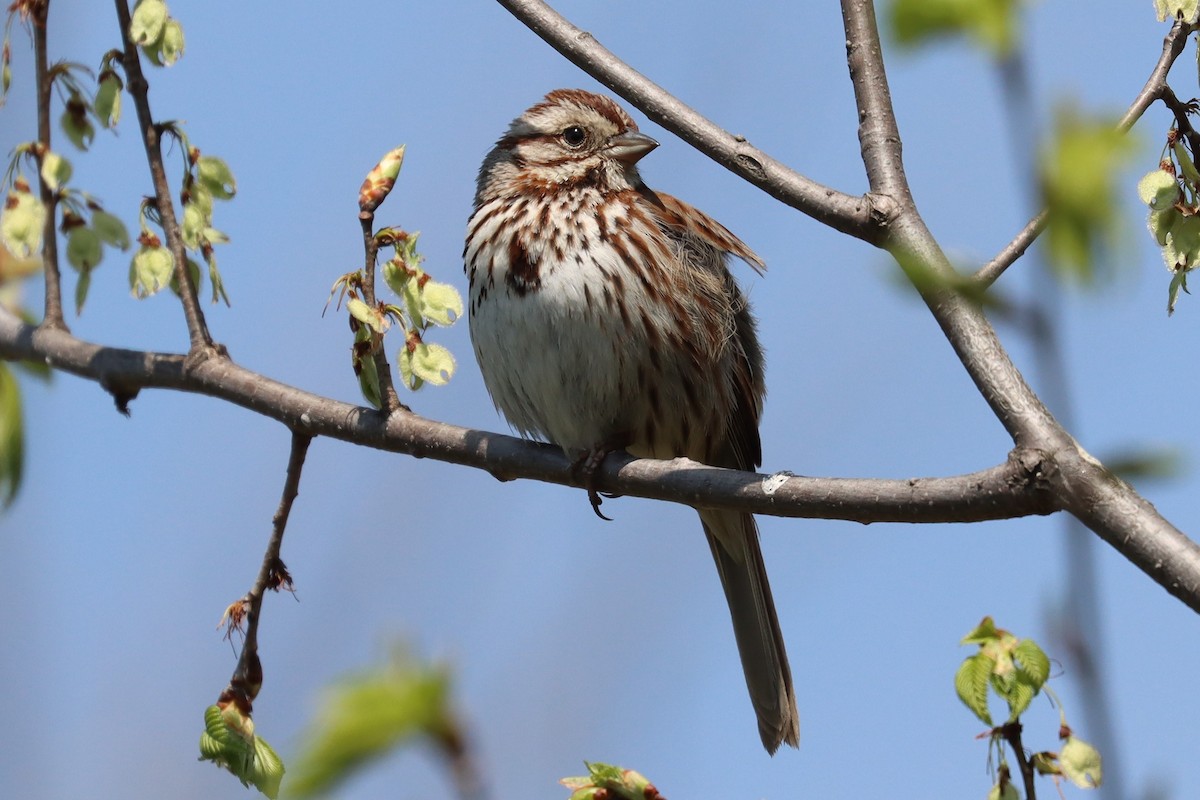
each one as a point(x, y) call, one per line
point(53, 314)
point(878, 135)
point(389, 400)
point(847, 213)
point(1173, 45)
point(248, 675)
point(1012, 489)
point(138, 88)
point(1107, 505)
point(1154, 89)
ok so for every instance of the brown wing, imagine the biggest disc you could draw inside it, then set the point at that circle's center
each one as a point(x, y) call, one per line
point(711, 243)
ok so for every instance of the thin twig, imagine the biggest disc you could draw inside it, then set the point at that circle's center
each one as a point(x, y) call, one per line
point(1011, 732)
point(992, 270)
point(387, 387)
point(247, 675)
point(847, 213)
point(1155, 85)
point(135, 83)
point(1173, 45)
point(53, 315)
point(1183, 121)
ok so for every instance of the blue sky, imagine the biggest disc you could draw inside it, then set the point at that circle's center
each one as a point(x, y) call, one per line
point(572, 638)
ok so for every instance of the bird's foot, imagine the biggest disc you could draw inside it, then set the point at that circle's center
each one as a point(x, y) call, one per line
point(585, 468)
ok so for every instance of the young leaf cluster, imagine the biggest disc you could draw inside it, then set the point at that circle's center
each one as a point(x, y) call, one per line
point(608, 782)
point(1171, 192)
point(156, 32)
point(229, 741)
point(206, 179)
point(1016, 670)
point(421, 301)
point(1079, 185)
point(365, 716)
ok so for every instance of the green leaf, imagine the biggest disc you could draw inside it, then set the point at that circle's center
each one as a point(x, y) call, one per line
point(368, 381)
point(1184, 159)
point(1182, 248)
point(1158, 189)
point(200, 196)
point(1161, 222)
point(107, 104)
point(1035, 664)
point(441, 303)
point(422, 362)
point(395, 275)
point(12, 435)
point(193, 271)
point(110, 229)
point(983, 633)
point(83, 248)
point(150, 271)
point(56, 170)
point(1018, 692)
point(170, 46)
point(608, 781)
point(364, 717)
point(1004, 791)
point(194, 223)
point(76, 124)
point(1178, 282)
point(1081, 763)
point(1078, 180)
point(971, 685)
point(991, 23)
point(230, 742)
point(149, 20)
point(82, 285)
point(214, 174)
point(1187, 10)
point(22, 224)
point(367, 315)
point(214, 277)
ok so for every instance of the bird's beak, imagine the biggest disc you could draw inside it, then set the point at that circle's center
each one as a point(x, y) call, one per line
point(630, 146)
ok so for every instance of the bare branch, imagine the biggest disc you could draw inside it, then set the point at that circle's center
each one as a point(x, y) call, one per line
point(1173, 45)
point(247, 676)
point(878, 135)
point(1012, 489)
point(992, 270)
point(1107, 505)
point(1154, 89)
point(138, 88)
point(846, 213)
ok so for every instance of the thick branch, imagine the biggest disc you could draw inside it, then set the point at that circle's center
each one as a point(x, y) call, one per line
point(1013, 489)
point(1110, 507)
point(138, 88)
point(847, 213)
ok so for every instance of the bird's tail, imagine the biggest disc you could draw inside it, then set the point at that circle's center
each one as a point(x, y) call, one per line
point(733, 537)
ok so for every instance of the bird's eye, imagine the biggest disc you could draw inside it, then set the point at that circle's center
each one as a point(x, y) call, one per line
point(574, 136)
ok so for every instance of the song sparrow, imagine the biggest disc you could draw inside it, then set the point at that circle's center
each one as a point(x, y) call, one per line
point(604, 316)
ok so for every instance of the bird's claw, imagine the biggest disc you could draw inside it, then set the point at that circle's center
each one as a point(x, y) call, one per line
point(585, 468)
